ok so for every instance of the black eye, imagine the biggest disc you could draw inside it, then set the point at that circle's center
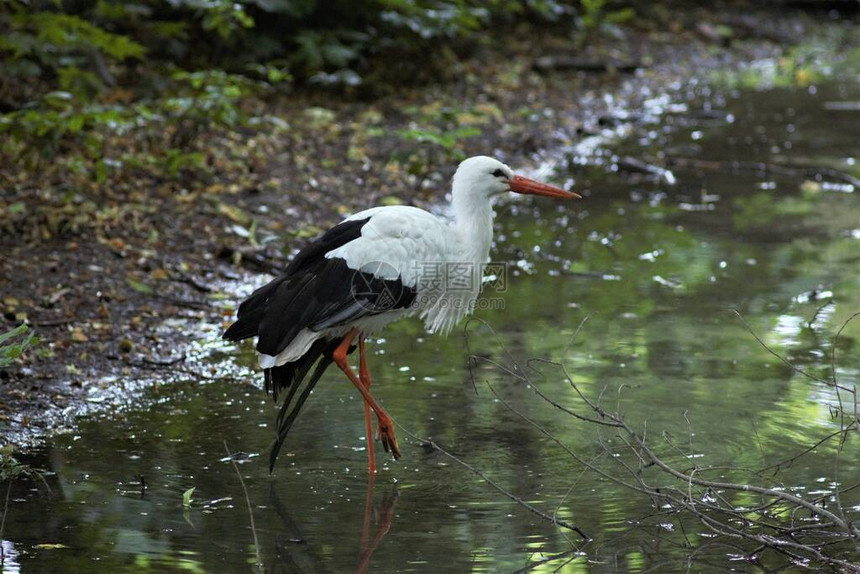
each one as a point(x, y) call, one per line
point(498, 173)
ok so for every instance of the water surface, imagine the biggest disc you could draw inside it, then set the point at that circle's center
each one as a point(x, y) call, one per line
point(659, 269)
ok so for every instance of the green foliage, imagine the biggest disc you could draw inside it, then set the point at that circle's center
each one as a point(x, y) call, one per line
point(40, 132)
point(434, 19)
point(11, 469)
point(208, 96)
point(273, 73)
point(224, 17)
point(449, 141)
point(329, 41)
point(82, 131)
point(321, 50)
point(67, 32)
point(595, 15)
point(65, 46)
point(13, 343)
point(81, 81)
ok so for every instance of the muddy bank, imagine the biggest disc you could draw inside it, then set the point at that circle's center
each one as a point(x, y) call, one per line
point(129, 286)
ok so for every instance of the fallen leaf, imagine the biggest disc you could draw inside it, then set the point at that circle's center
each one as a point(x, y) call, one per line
point(233, 213)
point(47, 546)
point(159, 274)
point(57, 295)
point(116, 244)
point(78, 336)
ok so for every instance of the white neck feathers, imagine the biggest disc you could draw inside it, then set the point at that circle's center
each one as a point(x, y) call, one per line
point(473, 222)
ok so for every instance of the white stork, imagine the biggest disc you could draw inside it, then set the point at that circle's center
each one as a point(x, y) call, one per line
point(364, 273)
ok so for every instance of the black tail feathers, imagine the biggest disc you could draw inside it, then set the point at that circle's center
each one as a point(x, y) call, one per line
point(251, 312)
point(290, 376)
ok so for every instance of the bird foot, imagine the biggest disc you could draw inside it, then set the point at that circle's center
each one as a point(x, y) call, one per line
point(385, 430)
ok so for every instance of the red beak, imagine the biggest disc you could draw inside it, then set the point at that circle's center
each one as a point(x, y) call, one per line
point(521, 184)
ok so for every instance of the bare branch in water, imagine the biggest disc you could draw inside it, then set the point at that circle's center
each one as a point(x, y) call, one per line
point(770, 526)
point(494, 484)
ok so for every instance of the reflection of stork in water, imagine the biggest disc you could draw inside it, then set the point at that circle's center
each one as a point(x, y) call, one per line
point(299, 551)
point(384, 516)
point(364, 273)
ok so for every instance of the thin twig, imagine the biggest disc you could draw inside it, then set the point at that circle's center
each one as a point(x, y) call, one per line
point(562, 407)
point(818, 311)
point(492, 483)
point(791, 365)
point(248, 503)
point(836, 382)
point(777, 466)
point(566, 448)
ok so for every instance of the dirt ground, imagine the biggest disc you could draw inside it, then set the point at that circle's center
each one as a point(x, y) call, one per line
point(114, 278)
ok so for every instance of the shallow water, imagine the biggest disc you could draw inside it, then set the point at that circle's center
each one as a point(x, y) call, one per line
point(658, 270)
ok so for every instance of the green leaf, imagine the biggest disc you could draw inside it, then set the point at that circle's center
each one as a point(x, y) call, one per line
point(22, 328)
point(16, 208)
point(186, 497)
point(139, 286)
point(621, 16)
point(9, 351)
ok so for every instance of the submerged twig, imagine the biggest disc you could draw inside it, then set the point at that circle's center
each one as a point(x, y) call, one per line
point(494, 484)
point(781, 169)
point(788, 363)
point(248, 503)
point(853, 391)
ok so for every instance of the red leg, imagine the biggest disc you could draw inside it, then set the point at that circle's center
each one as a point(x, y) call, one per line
point(368, 511)
point(386, 428)
point(383, 524)
point(364, 376)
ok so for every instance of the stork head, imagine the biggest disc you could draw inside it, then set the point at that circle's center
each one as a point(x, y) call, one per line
point(482, 177)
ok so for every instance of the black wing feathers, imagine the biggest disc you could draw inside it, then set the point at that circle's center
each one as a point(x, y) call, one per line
point(368, 295)
point(287, 312)
point(316, 292)
point(337, 236)
point(254, 309)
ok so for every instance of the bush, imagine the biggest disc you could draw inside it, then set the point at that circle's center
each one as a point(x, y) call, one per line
point(75, 75)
